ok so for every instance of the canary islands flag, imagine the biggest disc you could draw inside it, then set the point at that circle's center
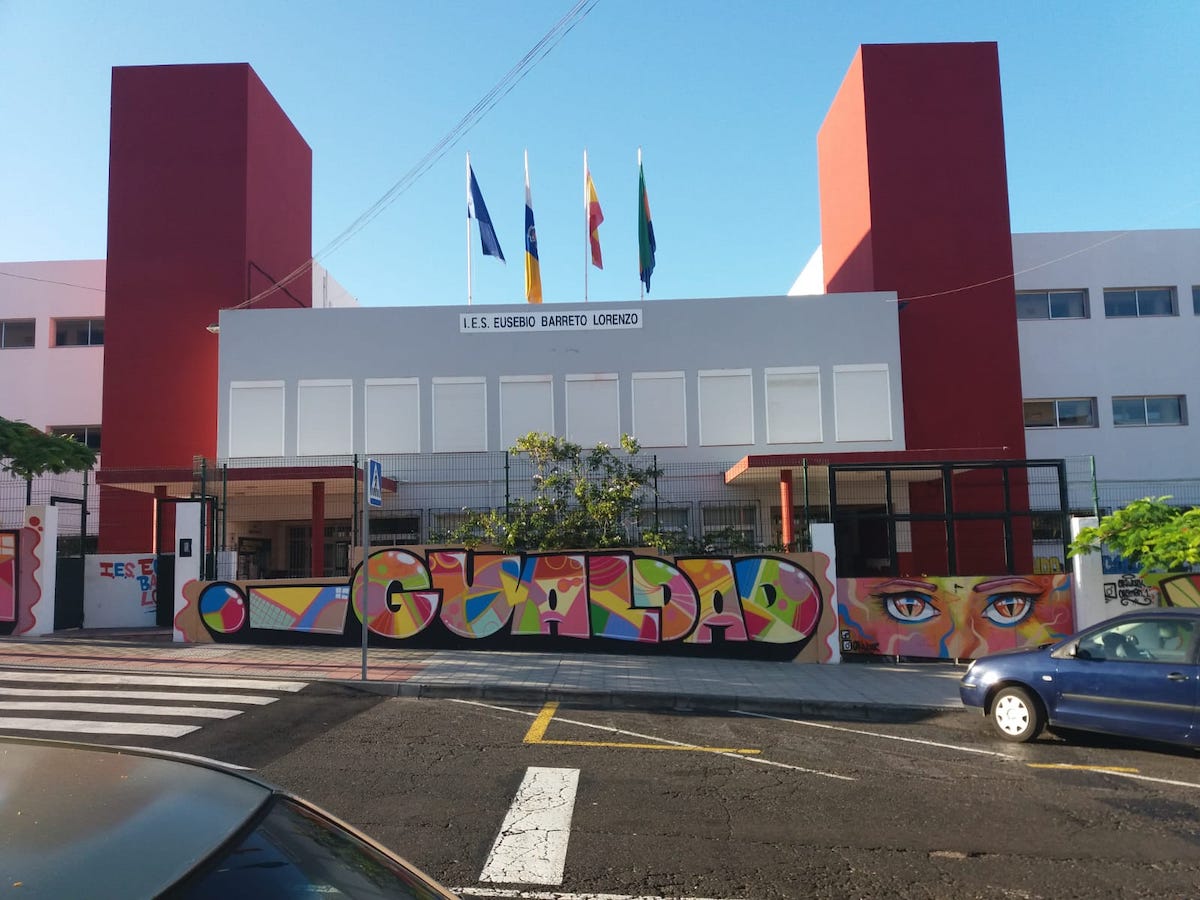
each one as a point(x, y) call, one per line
point(533, 271)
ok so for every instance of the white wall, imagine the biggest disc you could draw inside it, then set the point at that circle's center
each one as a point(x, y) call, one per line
point(1102, 358)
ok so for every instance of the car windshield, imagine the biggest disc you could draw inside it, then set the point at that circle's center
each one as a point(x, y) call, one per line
point(296, 852)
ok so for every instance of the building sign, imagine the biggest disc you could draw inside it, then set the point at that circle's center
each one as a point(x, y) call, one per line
point(510, 323)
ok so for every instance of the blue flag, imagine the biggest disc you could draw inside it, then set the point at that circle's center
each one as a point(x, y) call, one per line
point(477, 210)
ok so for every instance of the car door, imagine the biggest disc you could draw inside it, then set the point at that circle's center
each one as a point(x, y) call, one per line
point(1136, 676)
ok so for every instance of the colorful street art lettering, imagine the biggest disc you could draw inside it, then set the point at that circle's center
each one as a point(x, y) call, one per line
point(1130, 591)
point(405, 592)
point(953, 617)
point(142, 570)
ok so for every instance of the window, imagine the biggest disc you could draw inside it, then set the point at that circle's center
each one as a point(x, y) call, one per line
point(1137, 302)
point(1074, 412)
point(256, 418)
point(730, 526)
point(324, 417)
point(1052, 304)
point(89, 435)
point(1141, 640)
point(862, 403)
point(726, 407)
point(1196, 300)
point(793, 405)
point(593, 409)
point(16, 333)
point(526, 404)
point(1148, 410)
point(78, 332)
point(444, 521)
point(393, 415)
point(660, 409)
point(459, 414)
point(671, 519)
point(398, 528)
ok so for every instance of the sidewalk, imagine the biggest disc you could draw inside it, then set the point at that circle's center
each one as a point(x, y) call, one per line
point(872, 691)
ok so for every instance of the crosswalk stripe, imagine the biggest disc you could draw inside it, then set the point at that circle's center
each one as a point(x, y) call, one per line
point(83, 726)
point(531, 847)
point(248, 699)
point(251, 684)
point(192, 712)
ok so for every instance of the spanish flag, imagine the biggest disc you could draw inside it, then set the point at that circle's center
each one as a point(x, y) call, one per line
point(594, 215)
point(533, 271)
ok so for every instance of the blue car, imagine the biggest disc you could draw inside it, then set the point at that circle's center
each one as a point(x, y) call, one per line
point(1135, 675)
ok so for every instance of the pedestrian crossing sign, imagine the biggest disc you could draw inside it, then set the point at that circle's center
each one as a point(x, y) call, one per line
point(374, 482)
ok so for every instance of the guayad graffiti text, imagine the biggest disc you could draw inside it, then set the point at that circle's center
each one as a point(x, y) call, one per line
point(959, 617)
point(463, 594)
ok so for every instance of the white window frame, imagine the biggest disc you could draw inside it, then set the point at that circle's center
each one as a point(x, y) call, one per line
point(367, 420)
point(1057, 418)
point(458, 379)
point(679, 377)
point(278, 386)
point(1136, 291)
point(786, 371)
point(1146, 423)
point(593, 377)
point(744, 374)
point(506, 443)
point(850, 369)
point(1049, 306)
point(344, 442)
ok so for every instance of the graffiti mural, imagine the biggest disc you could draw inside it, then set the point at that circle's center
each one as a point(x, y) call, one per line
point(456, 597)
point(1180, 590)
point(8, 576)
point(958, 617)
point(120, 590)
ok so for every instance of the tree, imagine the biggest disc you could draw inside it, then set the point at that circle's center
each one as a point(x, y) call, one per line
point(29, 453)
point(581, 499)
point(1150, 532)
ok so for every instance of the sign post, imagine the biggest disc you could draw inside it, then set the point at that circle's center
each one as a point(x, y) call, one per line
point(373, 496)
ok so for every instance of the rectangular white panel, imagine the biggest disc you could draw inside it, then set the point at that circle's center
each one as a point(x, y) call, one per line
point(660, 409)
point(459, 414)
point(393, 413)
point(726, 407)
point(593, 410)
point(793, 405)
point(526, 404)
point(862, 403)
point(256, 418)
point(324, 417)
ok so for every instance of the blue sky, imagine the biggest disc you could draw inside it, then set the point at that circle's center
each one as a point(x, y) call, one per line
point(726, 99)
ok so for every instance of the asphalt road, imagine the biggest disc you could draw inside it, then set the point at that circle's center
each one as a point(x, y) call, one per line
point(937, 808)
point(732, 806)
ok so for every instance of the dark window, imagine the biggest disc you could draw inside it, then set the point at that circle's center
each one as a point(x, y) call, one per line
point(1074, 412)
point(78, 332)
point(16, 333)
point(1167, 410)
point(85, 434)
point(1196, 300)
point(1134, 302)
point(1052, 304)
point(397, 529)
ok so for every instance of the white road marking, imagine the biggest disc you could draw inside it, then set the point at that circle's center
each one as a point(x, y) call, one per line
point(876, 734)
point(558, 895)
point(531, 847)
point(120, 709)
point(650, 737)
point(81, 726)
point(249, 699)
point(1135, 777)
point(252, 684)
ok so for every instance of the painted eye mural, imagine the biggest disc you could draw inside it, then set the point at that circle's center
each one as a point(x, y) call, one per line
point(953, 617)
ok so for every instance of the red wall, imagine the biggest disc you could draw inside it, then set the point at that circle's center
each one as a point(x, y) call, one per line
point(208, 179)
point(914, 198)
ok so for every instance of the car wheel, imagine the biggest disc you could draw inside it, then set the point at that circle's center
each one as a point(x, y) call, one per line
point(1016, 715)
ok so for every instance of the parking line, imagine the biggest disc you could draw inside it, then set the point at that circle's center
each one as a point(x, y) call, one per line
point(537, 732)
point(1113, 769)
point(1119, 773)
point(889, 737)
point(531, 846)
point(648, 737)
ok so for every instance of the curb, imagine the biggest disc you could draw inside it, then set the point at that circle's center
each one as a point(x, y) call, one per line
point(851, 710)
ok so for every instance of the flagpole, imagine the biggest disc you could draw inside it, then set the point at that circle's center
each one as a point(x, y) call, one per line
point(641, 284)
point(468, 228)
point(586, 232)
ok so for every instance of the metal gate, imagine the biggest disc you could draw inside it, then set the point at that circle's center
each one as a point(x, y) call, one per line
point(72, 549)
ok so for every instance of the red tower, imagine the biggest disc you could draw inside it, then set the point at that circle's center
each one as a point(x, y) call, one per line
point(210, 203)
point(914, 199)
